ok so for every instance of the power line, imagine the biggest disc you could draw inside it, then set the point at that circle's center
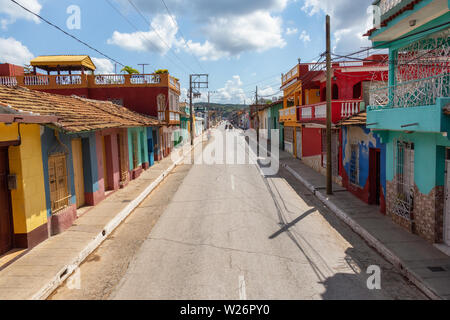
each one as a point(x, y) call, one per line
point(157, 33)
point(182, 35)
point(66, 33)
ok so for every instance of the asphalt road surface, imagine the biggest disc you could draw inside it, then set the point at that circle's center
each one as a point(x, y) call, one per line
point(223, 231)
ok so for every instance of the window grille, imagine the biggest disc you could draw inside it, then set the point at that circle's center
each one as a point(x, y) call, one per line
point(404, 175)
point(354, 164)
point(57, 172)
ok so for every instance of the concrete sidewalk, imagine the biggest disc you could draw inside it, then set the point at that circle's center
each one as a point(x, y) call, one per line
point(39, 272)
point(411, 254)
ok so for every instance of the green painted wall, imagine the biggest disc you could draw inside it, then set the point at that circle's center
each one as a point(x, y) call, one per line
point(141, 145)
point(429, 157)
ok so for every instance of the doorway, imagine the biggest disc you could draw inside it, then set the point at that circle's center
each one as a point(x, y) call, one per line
point(374, 176)
point(78, 171)
point(6, 227)
point(299, 143)
point(447, 201)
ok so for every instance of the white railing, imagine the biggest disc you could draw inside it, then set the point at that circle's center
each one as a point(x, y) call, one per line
point(416, 93)
point(386, 5)
point(349, 108)
point(8, 81)
point(68, 79)
point(36, 80)
point(145, 79)
point(293, 72)
point(161, 116)
point(109, 79)
point(320, 112)
point(307, 113)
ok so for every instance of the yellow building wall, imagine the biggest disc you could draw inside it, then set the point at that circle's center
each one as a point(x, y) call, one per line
point(25, 161)
point(312, 96)
point(8, 132)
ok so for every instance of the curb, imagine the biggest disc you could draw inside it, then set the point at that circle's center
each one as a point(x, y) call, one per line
point(68, 269)
point(371, 240)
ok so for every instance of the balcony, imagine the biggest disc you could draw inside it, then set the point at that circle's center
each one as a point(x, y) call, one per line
point(45, 82)
point(317, 113)
point(289, 76)
point(413, 105)
point(169, 117)
point(288, 114)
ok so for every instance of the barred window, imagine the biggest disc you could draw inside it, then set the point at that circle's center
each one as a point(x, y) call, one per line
point(354, 164)
point(404, 175)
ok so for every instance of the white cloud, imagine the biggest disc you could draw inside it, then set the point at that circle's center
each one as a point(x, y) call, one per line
point(159, 41)
point(290, 31)
point(348, 21)
point(13, 51)
point(205, 51)
point(13, 12)
point(231, 36)
point(230, 27)
point(232, 91)
point(305, 37)
point(104, 66)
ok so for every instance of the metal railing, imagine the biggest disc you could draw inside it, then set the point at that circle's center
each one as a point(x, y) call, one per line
point(415, 93)
point(145, 79)
point(68, 79)
point(109, 79)
point(386, 5)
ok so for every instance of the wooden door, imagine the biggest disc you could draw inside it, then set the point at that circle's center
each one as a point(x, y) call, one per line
point(447, 205)
point(374, 176)
point(6, 230)
point(299, 143)
point(105, 170)
point(78, 172)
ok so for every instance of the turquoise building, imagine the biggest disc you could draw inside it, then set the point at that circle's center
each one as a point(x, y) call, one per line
point(410, 115)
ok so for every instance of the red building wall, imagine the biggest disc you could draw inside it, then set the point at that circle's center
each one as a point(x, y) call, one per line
point(7, 69)
point(311, 142)
point(139, 99)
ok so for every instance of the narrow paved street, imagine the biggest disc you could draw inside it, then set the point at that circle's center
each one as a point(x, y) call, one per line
point(225, 232)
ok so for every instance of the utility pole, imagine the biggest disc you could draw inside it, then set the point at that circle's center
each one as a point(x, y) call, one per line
point(257, 122)
point(196, 81)
point(143, 66)
point(328, 53)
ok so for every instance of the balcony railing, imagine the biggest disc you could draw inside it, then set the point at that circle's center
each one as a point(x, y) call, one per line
point(386, 5)
point(109, 79)
point(90, 81)
point(36, 80)
point(288, 114)
point(416, 93)
point(289, 75)
point(340, 109)
point(145, 79)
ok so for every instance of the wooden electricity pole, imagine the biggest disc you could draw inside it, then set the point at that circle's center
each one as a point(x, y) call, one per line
point(328, 53)
point(191, 116)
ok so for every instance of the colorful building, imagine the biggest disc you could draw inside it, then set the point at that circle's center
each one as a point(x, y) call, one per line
point(410, 115)
point(363, 161)
point(71, 155)
point(306, 88)
point(156, 95)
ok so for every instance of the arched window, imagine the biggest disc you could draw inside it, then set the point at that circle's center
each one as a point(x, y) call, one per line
point(335, 90)
point(357, 91)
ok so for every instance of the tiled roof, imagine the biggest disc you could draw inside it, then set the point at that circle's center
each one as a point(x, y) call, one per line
point(356, 119)
point(75, 114)
point(52, 62)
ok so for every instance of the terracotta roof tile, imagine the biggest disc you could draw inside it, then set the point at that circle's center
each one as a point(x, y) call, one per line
point(75, 114)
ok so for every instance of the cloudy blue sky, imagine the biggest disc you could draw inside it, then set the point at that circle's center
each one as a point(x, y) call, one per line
point(240, 43)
